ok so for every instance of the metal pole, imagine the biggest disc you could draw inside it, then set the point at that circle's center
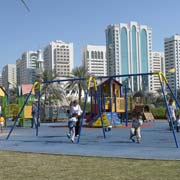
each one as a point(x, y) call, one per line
point(111, 100)
point(84, 110)
point(167, 107)
point(100, 113)
point(126, 105)
point(174, 97)
point(18, 115)
point(91, 102)
point(175, 84)
point(38, 118)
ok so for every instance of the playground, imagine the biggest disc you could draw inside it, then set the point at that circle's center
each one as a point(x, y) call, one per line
point(157, 141)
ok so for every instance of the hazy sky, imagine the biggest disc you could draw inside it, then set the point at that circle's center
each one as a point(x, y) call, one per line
point(79, 21)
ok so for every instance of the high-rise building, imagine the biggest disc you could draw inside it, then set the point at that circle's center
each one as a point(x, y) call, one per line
point(58, 58)
point(94, 59)
point(157, 66)
point(9, 76)
point(172, 61)
point(128, 49)
point(0, 80)
point(29, 66)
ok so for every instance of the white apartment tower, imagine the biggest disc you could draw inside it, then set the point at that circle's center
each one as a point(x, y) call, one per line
point(172, 60)
point(58, 58)
point(29, 66)
point(94, 59)
point(9, 76)
point(157, 66)
point(129, 51)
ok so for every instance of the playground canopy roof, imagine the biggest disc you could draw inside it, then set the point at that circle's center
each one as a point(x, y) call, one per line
point(26, 88)
point(139, 94)
point(102, 81)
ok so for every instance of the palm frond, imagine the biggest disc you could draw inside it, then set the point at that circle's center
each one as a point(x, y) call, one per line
point(26, 6)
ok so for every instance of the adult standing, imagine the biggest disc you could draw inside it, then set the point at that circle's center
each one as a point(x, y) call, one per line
point(76, 108)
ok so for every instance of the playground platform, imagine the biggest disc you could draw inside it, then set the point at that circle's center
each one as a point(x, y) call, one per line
point(157, 142)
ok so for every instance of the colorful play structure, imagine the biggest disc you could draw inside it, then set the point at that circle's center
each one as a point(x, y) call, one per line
point(114, 104)
point(111, 103)
point(106, 100)
point(10, 110)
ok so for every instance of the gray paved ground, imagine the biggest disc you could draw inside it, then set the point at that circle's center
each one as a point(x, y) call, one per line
point(157, 142)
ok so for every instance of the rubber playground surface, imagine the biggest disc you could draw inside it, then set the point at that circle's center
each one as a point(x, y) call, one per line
point(157, 141)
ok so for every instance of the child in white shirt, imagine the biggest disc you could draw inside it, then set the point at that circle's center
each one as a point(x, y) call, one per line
point(75, 108)
point(136, 128)
point(71, 125)
point(177, 123)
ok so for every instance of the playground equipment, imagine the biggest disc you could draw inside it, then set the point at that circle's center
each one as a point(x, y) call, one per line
point(162, 80)
point(37, 86)
point(92, 79)
point(112, 103)
point(10, 110)
point(139, 105)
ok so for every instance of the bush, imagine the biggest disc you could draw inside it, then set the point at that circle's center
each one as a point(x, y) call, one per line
point(159, 113)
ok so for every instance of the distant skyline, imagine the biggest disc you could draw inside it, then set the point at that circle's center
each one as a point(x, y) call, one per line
point(81, 22)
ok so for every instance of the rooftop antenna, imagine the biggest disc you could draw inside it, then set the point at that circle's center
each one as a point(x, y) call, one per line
point(26, 6)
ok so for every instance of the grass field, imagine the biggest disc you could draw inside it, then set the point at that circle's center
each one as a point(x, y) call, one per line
point(22, 166)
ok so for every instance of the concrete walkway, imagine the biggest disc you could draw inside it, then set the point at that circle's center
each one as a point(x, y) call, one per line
point(157, 142)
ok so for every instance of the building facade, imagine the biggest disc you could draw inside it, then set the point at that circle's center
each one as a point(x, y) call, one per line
point(0, 80)
point(94, 59)
point(129, 51)
point(9, 76)
point(172, 61)
point(58, 58)
point(158, 65)
point(29, 66)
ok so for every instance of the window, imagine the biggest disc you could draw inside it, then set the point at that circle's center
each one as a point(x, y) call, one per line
point(95, 54)
point(92, 54)
point(99, 55)
point(102, 57)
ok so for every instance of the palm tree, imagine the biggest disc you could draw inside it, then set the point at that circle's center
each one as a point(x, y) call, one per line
point(49, 90)
point(77, 86)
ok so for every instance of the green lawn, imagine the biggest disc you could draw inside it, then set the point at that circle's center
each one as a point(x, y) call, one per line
point(22, 166)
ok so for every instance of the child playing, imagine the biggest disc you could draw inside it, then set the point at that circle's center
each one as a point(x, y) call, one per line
point(136, 128)
point(177, 123)
point(1, 123)
point(72, 124)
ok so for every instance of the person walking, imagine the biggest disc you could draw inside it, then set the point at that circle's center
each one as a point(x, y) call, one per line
point(72, 126)
point(136, 128)
point(75, 108)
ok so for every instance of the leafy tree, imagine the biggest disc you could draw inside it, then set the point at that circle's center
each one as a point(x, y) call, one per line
point(77, 86)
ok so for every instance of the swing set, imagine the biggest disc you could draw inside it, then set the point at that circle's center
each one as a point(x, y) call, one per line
point(38, 86)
